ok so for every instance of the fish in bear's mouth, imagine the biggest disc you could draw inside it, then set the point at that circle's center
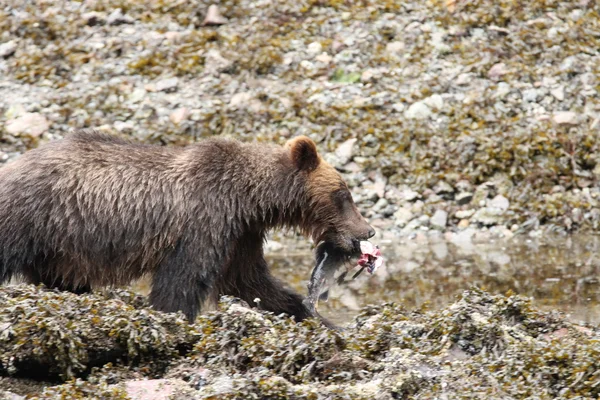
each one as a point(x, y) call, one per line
point(330, 258)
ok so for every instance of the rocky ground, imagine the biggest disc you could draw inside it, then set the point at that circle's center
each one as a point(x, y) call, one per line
point(444, 114)
point(111, 346)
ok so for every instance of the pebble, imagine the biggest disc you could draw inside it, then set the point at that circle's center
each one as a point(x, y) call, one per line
point(179, 115)
point(558, 93)
point(464, 198)
point(380, 205)
point(500, 202)
point(463, 224)
point(8, 49)
point(29, 124)
point(566, 118)
point(434, 101)
point(314, 48)
point(324, 58)
point(443, 187)
point(418, 110)
point(118, 18)
point(464, 214)
point(167, 85)
point(497, 71)
point(214, 17)
point(439, 219)
point(345, 151)
point(394, 47)
point(488, 216)
point(403, 216)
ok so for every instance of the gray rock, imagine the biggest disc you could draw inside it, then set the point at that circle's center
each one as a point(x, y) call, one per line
point(410, 195)
point(8, 49)
point(443, 187)
point(464, 198)
point(463, 214)
point(418, 110)
point(345, 151)
point(215, 62)
point(531, 95)
point(502, 90)
point(463, 186)
point(273, 246)
point(439, 219)
point(29, 124)
point(403, 216)
point(488, 216)
point(118, 18)
point(167, 85)
point(380, 205)
point(558, 93)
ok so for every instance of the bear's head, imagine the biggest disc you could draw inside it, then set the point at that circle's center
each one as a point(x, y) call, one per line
point(329, 213)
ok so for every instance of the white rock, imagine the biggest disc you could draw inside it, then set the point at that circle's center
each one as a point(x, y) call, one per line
point(463, 214)
point(497, 71)
point(165, 85)
point(439, 219)
point(418, 110)
point(179, 115)
point(8, 48)
point(500, 202)
point(273, 246)
point(410, 195)
point(215, 62)
point(434, 101)
point(394, 47)
point(117, 18)
point(558, 93)
point(30, 124)
point(345, 151)
point(137, 95)
point(123, 126)
point(403, 216)
point(240, 99)
point(565, 118)
point(214, 17)
point(315, 48)
point(324, 58)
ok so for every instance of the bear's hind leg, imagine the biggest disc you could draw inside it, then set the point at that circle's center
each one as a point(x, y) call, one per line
point(47, 271)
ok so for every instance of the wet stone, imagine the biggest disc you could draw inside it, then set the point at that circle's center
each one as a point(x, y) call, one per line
point(464, 198)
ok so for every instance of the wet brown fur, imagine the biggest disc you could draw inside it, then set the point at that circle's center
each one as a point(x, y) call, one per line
point(93, 210)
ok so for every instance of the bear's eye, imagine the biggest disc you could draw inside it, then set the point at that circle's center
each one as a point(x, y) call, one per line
point(342, 199)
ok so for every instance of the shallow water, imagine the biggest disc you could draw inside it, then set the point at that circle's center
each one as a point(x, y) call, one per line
point(559, 273)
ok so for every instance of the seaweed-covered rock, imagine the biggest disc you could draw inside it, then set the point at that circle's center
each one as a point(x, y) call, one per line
point(484, 345)
point(48, 333)
point(241, 339)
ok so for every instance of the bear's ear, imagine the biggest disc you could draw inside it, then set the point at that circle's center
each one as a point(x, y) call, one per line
point(303, 152)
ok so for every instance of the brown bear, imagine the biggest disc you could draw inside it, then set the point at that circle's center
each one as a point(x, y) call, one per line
point(94, 210)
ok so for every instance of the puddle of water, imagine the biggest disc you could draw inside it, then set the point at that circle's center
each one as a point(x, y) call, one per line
point(559, 273)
